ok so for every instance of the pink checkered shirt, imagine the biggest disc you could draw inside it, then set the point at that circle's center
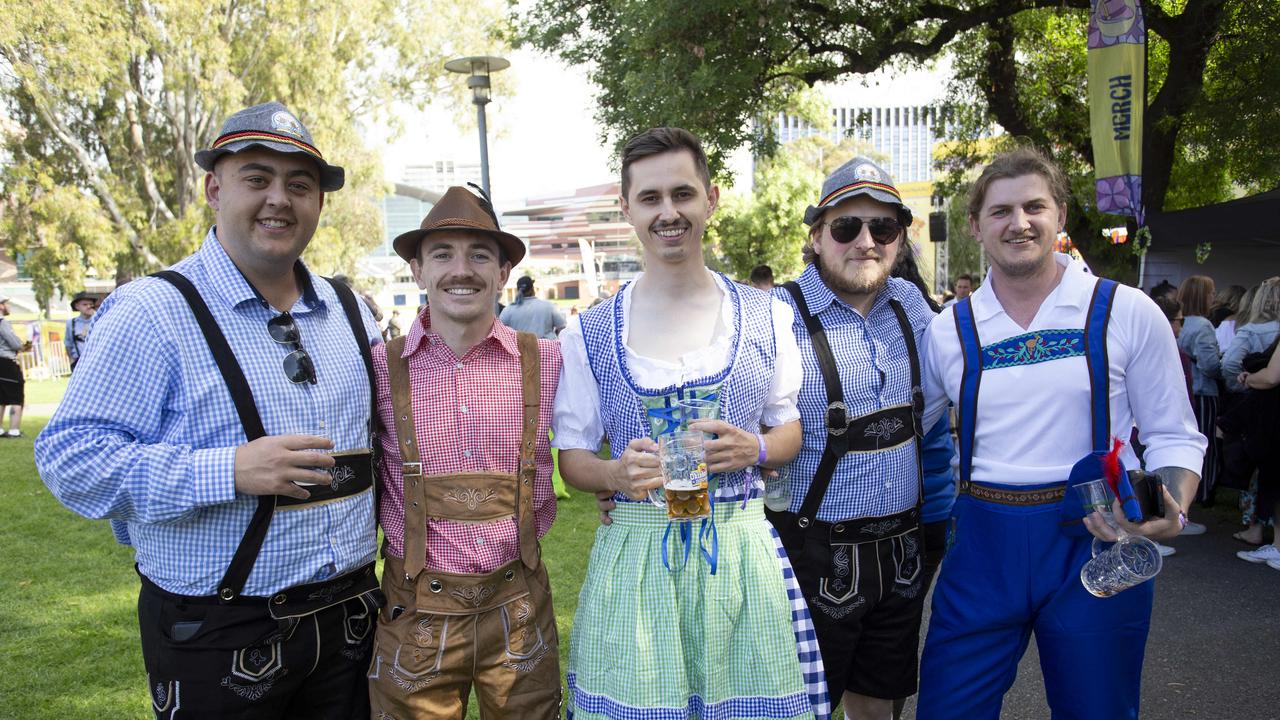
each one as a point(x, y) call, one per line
point(467, 414)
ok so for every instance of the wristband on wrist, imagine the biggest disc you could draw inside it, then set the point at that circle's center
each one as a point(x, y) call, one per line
point(763, 450)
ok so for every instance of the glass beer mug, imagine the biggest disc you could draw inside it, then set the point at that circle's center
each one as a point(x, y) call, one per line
point(685, 491)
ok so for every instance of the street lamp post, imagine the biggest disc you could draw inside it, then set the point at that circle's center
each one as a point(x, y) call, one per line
point(478, 68)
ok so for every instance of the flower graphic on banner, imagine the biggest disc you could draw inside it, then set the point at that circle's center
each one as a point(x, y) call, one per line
point(1117, 194)
point(1113, 195)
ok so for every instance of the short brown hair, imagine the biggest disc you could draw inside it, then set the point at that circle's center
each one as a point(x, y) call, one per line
point(656, 141)
point(1025, 160)
point(1195, 294)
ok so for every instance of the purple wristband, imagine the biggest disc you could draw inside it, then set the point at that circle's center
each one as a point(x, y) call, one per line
point(763, 450)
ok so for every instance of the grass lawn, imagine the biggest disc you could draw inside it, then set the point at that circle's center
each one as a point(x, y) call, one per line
point(42, 392)
point(68, 598)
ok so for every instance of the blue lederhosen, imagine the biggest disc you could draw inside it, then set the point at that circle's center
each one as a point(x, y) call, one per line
point(1014, 567)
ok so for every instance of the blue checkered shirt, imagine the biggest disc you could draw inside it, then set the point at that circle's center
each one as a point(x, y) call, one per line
point(875, 373)
point(147, 432)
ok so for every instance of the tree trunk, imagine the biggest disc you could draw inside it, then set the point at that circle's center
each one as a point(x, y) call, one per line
point(1190, 37)
point(137, 145)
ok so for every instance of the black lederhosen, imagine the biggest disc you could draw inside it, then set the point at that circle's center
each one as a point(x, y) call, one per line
point(862, 577)
point(302, 652)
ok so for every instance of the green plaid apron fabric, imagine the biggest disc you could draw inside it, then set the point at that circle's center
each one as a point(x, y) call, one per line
point(649, 642)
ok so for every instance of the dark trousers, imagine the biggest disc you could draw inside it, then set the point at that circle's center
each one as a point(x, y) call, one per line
point(935, 548)
point(206, 660)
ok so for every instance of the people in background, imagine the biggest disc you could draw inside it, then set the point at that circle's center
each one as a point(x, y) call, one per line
point(761, 278)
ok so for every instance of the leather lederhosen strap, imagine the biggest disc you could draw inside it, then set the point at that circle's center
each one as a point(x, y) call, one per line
point(246, 554)
point(881, 430)
point(466, 496)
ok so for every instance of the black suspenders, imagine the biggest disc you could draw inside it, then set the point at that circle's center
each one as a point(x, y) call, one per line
point(242, 396)
point(838, 441)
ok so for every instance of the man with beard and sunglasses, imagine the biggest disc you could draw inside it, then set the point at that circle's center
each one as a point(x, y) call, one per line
point(221, 420)
point(853, 529)
point(464, 404)
point(698, 616)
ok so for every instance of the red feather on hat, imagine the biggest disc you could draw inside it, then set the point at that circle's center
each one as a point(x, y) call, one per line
point(1111, 466)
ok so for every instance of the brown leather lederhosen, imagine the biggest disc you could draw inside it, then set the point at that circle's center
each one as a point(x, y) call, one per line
point(441, 632)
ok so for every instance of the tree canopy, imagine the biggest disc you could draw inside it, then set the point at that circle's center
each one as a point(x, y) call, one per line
point(718, 67)
point(766, 227)
point(110, 99)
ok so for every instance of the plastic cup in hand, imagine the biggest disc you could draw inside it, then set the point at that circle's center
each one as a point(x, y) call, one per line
point(1097, 495)
point(684, 491)
point(1132, 560)
point(777, 488)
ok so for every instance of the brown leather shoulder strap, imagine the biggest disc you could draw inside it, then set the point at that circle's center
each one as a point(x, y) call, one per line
point(415, 499)
point(531, 390)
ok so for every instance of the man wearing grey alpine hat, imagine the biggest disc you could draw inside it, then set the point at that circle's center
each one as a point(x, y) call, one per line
point(77, 330)
point(222, 424)
point(852, 528)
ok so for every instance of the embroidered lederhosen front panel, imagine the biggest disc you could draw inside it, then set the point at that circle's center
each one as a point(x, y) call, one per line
point(881, 430)
point(839, 587)
point(351, 474)
point(474, 497)
point(869, 558)
point(1033, 347)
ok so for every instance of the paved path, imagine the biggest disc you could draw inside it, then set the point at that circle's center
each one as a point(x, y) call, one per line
point(1214, 649)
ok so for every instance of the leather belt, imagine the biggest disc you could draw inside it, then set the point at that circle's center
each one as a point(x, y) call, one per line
point(296, 601)
point(1004, 496)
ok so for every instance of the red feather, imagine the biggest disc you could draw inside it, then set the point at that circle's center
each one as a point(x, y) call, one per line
point(1111, 466)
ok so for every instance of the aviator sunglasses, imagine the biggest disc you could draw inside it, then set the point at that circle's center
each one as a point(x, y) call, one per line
point(298, 367)
point(884, 231)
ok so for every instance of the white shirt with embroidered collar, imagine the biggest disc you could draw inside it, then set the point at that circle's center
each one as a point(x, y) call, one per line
point(1034, 419)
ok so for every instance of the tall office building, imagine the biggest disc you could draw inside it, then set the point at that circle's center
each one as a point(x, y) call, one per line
point(904, 134)
point(440, 175)
point(906, 137)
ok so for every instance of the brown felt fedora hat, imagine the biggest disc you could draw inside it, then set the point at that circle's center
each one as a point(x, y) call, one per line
point(460, 209)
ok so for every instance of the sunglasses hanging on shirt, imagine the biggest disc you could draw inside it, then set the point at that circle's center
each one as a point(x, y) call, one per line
point(298, 367)
point(884, 231)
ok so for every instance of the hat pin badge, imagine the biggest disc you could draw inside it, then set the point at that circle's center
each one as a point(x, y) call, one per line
point(867, 172)
point(285, 122)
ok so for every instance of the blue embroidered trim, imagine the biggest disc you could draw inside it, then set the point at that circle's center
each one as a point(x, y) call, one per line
point(1033, 347)
point(663, 411)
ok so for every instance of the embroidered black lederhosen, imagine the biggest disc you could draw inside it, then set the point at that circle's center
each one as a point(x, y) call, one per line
point(227, 653)
point(861, 576)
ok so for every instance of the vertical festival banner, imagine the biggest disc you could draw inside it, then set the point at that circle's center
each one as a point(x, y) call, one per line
point(1117, 99)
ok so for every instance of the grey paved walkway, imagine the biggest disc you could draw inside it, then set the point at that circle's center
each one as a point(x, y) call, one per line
point(1214, 649)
